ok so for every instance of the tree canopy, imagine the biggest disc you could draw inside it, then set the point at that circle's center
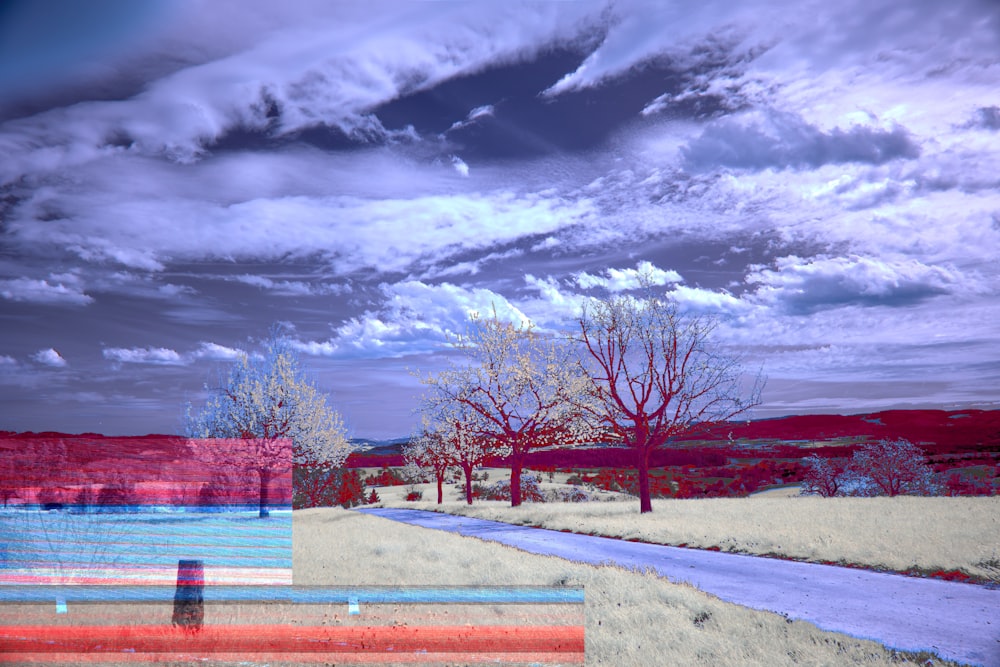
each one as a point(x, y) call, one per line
point(266, 401)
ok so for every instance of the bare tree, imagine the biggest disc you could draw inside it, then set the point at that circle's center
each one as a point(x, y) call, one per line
point(657, 375)
point(267, 402)
point(823, 477)
point(519, 387)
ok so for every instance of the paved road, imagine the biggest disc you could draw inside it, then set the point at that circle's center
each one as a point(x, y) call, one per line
point(958, 621)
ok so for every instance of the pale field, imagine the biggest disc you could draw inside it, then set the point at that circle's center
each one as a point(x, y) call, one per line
point(901, 533)
point(631, 618)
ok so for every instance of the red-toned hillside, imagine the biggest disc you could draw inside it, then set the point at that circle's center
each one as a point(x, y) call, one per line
point(936, 430)
point(163, 469)
point(951, 429)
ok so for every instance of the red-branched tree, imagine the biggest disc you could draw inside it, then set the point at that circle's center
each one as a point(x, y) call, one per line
point(657, 375)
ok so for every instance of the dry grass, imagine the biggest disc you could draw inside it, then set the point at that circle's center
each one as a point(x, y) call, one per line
point(631, 618)
point(902, 533)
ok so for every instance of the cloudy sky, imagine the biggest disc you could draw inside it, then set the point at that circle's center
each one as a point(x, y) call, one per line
point(824, 177)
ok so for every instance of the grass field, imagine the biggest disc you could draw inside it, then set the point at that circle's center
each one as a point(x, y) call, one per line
point(904, 533)
point(631, 618)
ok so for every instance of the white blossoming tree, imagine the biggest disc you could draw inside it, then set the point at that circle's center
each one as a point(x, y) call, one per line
point(520, 390)
point(454, 436)
point(267, 403)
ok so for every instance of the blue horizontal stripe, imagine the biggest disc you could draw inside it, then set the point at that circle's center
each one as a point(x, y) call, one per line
point(302, 594)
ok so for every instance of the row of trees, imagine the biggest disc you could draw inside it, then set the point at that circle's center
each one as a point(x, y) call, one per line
point(636, 373)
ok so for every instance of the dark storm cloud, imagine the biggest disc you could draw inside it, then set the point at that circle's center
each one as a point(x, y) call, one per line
point(799, 286)
point(783, 140)
point(987, 118)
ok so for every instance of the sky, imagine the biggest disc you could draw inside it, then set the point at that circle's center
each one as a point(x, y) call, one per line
point(823, 178)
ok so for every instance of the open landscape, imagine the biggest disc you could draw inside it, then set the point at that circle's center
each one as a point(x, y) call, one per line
point(322, 297)
point(948, 537)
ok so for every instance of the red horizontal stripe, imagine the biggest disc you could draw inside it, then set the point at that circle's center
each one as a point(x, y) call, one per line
point(252, 639)
point(71, 659)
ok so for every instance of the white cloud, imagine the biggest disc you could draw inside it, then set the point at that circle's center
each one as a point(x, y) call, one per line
point(352, 233)
point(641, 31)
point(415, 318)
point(460, 166)
point(320, 70)
point(207, 350)
point(41, 291)
point(291, 287)
point(618, 280)
point(7, 361)
point(450, 268)
point(49, 357)
point(555, 308)
point(696, 300)
point(484, 111)
point(158, 356)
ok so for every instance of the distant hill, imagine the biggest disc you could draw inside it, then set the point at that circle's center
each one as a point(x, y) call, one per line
point(950, 429)
point(928, 427)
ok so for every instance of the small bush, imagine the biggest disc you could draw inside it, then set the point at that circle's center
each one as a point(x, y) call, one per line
point(500, 490)
point(373, 498)
point(573, 495)
point(85, 499)
point(413, 495)
point(118, 496)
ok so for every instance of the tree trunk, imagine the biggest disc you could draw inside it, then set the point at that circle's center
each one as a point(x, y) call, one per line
point(515, 481)
point(265, 479)
point(645, 502)
point(440, 481)
point(467, 469)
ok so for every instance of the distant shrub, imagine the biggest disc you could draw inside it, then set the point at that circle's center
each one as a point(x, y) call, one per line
point(319, 486)
point(413, 495)
point(823, 476)
point(350, 490)
point(372, 498)
point(500, 490)
point(386, 477)
point(85, 499)
point(118, 496)
point(573, 495)
point(228, 491)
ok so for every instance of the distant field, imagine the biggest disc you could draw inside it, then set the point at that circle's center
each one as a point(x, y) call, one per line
point(902, 533)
